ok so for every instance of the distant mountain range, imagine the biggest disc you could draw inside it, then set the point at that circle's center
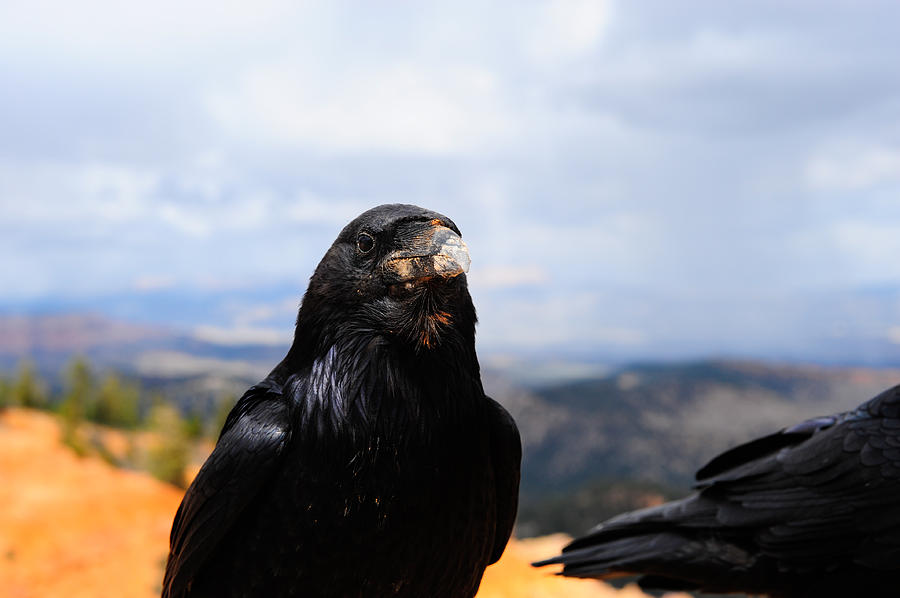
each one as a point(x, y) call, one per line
point(846, 326)
point(580, 423)
point(599, 446)
point(661, 422)
point(193, 372)
point(49, 340)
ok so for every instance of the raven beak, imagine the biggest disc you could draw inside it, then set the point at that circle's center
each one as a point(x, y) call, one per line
point(433, 251)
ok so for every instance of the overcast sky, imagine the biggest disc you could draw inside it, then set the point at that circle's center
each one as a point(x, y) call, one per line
point(710, 176)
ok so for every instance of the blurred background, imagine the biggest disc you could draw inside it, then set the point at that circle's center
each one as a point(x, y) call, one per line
point(684, 220)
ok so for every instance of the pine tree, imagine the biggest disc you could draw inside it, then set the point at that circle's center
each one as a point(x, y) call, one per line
point(117, 403)
point(168, 458)
point(5, 392)
point(79, 399)
point(28, 390)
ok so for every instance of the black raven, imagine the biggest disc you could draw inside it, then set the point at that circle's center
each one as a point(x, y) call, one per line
point(812, 510)
point(369, 462)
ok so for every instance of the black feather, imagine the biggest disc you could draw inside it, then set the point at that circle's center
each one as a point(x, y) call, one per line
point(369, 462)
point(813, 510)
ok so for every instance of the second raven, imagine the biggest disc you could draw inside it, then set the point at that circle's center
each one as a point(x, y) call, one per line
point(369, 462)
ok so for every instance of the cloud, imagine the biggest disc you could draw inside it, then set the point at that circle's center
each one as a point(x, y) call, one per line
point(243, 335)
point(103, 193)
point(870, 248)
point(184, 221)
point(395, 107)
point(567, 28)
point(174, 363)
point(103, 31)
point(553, 321)
point(893, 334)
point(854, 169)
point(497, 277)
point(150, 282)
point(608, 161)
point(257, 314)
point(309, 207)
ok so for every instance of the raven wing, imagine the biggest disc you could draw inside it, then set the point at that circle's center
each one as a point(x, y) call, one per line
point(830, 495)
point(506, 453)
point(246, 455)
point(816, 503)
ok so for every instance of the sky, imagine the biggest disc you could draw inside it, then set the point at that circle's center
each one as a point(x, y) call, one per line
point(641, 179)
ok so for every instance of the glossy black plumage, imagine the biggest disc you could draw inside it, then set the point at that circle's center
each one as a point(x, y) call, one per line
point(813, 510)
point(369, 462)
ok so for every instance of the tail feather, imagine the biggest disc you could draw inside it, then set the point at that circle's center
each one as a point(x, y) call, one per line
point(667, 545)
point(613, 558)
point(688, 513)
point(808, 511)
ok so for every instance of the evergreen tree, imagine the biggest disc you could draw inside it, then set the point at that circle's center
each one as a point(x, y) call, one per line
point(168, 457)
point(117, 403)
point(79, 399)
point(28, 390)
point(5, 392)
point(193, 426)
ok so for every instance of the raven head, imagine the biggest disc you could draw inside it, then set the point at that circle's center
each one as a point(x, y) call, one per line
point(398, 271)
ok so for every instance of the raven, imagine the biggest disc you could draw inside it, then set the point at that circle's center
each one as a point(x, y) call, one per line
point(812, 510)
point(369, 462)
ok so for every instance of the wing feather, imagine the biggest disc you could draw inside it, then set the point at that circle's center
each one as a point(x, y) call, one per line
point(506, 452)
point(816, 503)
point(245, 456)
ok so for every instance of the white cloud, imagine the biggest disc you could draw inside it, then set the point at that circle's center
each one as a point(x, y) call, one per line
point(645, 64)
point(580, 142)
point(249, 212)
point(539, 323)
point(245, 335)
point(567, 28)
point(186, 221)
point(114, 31)
point(872, 249)
point(174, 363)
point(76, 192)
point(857, 249)
point(394, 107)
point(117, 192)
point(853, 168)
point(153, 282)
point(893, 334)
point(252, 316)
point(501, 277)
point(309, 207)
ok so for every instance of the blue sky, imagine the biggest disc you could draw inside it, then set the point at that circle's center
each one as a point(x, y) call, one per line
point(632, 178)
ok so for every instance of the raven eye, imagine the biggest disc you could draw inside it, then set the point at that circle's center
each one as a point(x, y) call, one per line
point(365, 242)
